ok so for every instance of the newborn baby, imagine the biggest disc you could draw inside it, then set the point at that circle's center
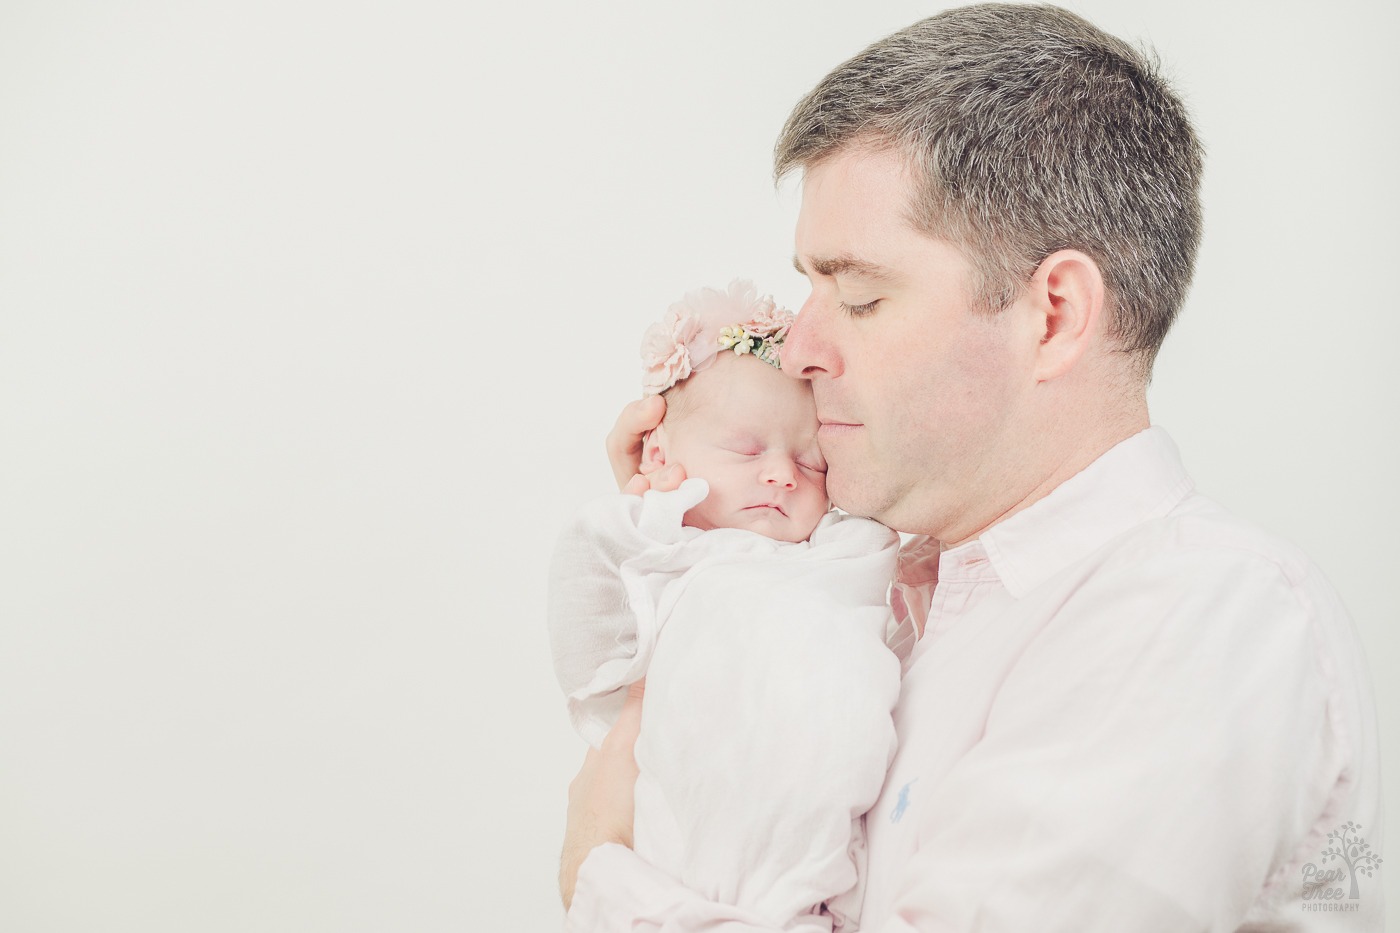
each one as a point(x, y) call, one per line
point(758, 617)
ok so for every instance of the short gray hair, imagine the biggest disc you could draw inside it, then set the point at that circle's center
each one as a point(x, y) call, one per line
point(1028, 130)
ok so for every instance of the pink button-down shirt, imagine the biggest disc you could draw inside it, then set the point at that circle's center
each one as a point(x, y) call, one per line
point(1129, 711)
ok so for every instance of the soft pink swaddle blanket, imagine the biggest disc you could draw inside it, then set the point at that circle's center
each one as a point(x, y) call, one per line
point(766, 729)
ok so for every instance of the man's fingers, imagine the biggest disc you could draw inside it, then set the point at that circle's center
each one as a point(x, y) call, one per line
point(624, 443)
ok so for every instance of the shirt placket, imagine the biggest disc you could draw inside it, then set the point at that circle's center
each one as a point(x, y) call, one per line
point(964, 580)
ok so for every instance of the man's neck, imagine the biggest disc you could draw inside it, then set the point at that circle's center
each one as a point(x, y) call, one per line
point(1058, 461)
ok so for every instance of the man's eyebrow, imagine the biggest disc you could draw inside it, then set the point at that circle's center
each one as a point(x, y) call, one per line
point(845, 265)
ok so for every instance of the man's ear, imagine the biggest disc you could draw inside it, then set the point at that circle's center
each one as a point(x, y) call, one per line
point(1070, 298)
point(653, 450)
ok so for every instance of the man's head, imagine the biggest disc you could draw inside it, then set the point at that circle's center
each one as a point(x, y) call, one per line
point(1027, 130)
point(999, 221)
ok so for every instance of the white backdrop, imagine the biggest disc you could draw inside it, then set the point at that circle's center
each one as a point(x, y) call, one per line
point(313, 316)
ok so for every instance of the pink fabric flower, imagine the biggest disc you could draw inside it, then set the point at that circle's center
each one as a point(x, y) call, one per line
point(686, 339)
point(770, 321)
point(670, 348)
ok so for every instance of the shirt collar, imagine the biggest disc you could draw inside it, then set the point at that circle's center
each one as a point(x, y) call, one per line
point(1138, 479)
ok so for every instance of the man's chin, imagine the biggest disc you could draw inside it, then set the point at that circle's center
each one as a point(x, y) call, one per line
point(896, 512)
point(852, 498)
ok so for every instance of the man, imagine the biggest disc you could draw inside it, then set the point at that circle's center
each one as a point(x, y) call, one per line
point(1126, 709)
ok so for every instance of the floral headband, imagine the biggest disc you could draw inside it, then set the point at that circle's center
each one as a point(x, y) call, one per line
point(702, 323)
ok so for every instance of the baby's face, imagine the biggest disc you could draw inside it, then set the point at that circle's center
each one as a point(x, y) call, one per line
point(751, 433)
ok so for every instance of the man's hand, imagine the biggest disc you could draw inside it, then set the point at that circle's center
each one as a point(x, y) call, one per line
point(600, 797)
point(624, 446)
point(624, 443)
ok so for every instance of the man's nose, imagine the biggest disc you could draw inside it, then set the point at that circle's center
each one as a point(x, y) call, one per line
point(808, 351)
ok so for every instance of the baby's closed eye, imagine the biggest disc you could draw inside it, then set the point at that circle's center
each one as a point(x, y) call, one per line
point(743, 443)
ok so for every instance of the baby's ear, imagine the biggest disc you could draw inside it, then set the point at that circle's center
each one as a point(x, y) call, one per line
point(653, 450)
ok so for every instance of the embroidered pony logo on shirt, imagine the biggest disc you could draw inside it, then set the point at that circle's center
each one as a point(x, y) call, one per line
point(902, 803)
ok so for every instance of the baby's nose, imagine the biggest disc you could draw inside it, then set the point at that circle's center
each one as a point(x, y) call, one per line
point(780, 471)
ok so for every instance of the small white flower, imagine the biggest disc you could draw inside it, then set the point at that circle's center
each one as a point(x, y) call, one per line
point(731, 336)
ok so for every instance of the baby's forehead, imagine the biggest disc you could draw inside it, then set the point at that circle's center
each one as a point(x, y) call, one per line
point(760, 426)
point(714, 420)
point(745, 391)
point(734, 380)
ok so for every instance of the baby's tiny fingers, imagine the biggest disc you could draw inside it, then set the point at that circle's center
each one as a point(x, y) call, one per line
point(668, 477)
